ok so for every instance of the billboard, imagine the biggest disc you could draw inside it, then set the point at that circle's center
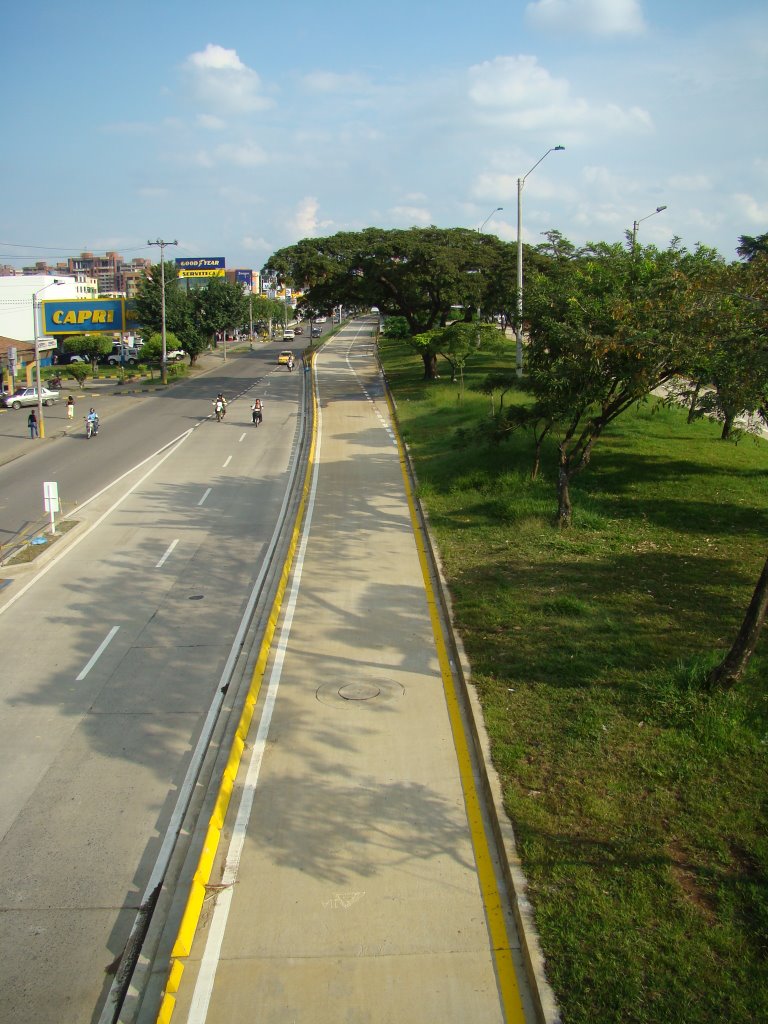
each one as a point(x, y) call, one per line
point(245, 278)
point(200, 266)
point(83, 316)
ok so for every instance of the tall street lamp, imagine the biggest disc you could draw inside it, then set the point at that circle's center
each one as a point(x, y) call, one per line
point(519, 324)
point(40, 423)
point(636, 224)
point(480, 229)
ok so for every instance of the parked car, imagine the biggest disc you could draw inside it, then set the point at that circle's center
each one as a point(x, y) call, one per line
point(28, 396)
point(285, 357)
point(123, 355)
point(176, 355)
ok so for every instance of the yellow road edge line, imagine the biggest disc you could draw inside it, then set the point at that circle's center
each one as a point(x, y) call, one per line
point(191, 916)
point(497, 926)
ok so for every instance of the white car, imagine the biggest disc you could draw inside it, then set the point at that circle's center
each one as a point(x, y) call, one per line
point(321, 319)
point(28, 396)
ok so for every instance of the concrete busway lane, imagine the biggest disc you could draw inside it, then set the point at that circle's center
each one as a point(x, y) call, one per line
point(111, 660)
point(134, 425)
point(351, 887)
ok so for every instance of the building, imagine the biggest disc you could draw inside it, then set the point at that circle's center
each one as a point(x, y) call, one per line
point(113, 276)
point(16, 297)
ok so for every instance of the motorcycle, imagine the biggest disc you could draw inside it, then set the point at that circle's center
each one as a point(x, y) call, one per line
point(55, 383)
point(91, 426)
point(219, 408)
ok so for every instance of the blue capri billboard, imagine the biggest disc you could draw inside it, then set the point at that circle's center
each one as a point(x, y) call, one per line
point(83, 316)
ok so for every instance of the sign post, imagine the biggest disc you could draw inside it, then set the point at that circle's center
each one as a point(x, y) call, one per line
point(51, 499)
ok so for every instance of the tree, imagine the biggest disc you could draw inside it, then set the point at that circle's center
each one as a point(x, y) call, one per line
point(180, 318)
point(152, 349)
point(92, 347)
point(727, 375)
point(606, 329)
point(220, 306)
point(419, 274)
point(749, 247)
point(734, 664)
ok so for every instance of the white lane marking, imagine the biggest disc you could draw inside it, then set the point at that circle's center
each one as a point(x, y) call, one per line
point(204, 496)
point(201, 996)
point(171, 546)
point(242, 437)
point(78, 540)
point(229, 459)
point(98, 653)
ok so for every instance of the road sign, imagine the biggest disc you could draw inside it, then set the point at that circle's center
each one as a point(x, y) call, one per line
point(45, 344)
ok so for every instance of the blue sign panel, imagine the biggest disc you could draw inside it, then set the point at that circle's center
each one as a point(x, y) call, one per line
point(83, 316)
point(244, 277)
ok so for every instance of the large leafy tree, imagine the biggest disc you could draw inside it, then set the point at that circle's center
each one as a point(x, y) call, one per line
point(606, 329)
point(92, 347)
point(420, 274)
point(180, 317)
point(751, 246)
point(727, 377)
point(220, 306)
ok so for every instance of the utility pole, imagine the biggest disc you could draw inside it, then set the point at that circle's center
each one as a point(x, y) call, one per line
point(164, 360)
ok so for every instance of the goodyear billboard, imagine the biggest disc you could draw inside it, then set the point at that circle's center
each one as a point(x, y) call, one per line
point(201, 266)
point(83, 316)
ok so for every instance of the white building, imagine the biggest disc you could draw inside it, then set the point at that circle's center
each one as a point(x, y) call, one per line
point(16, 297)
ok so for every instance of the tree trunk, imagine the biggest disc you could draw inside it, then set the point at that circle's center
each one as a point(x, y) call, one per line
point(430, 365)
point(694, 402)
point(727, 426)
point(564, 508)
point(734, 664)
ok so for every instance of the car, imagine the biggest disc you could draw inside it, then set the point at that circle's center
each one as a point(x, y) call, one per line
point(123, 355)
point(175, 355)
point(289, 334)
point(320, 319)
point(285, 357)
point(28, 396)
point(298, 330)
point(316, 332)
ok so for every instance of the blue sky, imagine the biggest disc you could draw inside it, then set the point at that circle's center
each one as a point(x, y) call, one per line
point(238, 128)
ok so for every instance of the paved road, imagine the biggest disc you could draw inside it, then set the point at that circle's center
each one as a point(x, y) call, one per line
point(354, 880)
point(115, 646)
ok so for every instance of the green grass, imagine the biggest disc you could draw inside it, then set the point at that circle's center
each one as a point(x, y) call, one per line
point(638, 799)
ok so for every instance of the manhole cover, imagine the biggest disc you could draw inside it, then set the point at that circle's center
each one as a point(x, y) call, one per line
point(359, 691)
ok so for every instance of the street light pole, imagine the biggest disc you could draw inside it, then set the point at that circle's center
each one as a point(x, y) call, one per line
point(40, 423)
point(480, 229)
point(636, 224)
point(519, 323)
point(164, 357)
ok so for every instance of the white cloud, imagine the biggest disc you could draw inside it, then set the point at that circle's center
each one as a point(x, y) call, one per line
point(518, 92)
point(211, 122)
point(152, 192)
point(593, 17)
point(690, 182)
point(222, 82)
point(411, 214)
point(751, 208)
point(231, 154)
point(305, 221)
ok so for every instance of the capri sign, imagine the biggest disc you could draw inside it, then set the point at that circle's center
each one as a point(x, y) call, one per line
point(83, 316)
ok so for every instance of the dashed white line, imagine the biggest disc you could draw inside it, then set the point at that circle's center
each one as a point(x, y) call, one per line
point(171, 546)
point(229, 459)
point(204, 496)
point(98, 653)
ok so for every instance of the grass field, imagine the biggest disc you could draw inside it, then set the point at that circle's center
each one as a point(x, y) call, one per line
point(638, 800)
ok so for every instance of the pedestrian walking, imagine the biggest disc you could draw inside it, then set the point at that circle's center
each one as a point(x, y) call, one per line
point(70, 408)
point(32, 424)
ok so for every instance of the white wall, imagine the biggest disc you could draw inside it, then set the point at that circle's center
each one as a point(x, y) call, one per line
point(16, 302)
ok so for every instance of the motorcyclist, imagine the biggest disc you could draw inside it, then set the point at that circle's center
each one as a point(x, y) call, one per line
point(220, 406)
point(92, 422)
point(257, 411)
